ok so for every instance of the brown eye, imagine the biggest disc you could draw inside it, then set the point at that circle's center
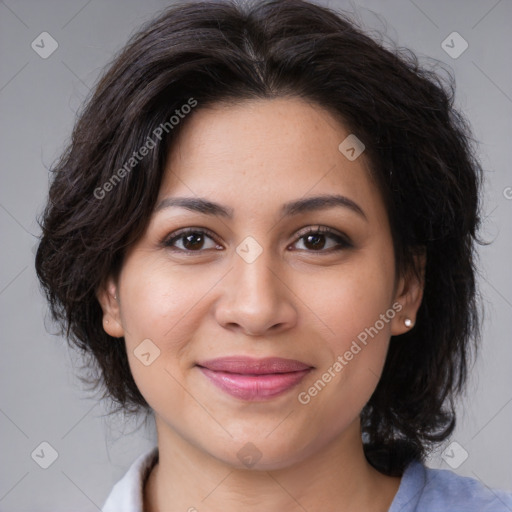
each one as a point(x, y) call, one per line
point(195, 240)
point(192, 240)
point(314, 240)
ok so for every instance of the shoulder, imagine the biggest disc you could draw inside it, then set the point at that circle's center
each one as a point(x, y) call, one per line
point(127, 493)
point(425, 489)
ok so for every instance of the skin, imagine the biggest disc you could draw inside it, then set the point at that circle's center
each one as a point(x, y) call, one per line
point(294, 301)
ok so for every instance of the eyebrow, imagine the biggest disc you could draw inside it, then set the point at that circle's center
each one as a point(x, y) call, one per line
point(308, 204)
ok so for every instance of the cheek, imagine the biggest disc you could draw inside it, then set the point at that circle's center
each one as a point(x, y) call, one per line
point(352, 303)
point(357, 308)
point(157, 298)
point(158, 317)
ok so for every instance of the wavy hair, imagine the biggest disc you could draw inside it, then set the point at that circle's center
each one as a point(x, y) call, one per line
point(420, 150)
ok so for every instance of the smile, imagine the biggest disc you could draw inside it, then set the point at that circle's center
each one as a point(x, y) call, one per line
point(254, 379)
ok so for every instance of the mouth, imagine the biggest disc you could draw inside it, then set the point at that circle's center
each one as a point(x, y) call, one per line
point(254, 379)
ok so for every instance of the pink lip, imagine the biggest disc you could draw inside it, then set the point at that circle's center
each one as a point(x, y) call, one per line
point(254, 379)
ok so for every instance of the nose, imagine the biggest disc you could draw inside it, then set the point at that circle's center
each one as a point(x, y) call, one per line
point(257, 298)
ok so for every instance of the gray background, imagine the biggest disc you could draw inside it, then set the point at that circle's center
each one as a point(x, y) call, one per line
point(41, 398)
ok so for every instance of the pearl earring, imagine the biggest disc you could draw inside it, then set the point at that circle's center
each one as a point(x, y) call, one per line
point(408, 322)
point(106, 321)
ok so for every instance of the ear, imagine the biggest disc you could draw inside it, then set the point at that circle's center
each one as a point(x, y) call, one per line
point(409, 293)
point(108, 297)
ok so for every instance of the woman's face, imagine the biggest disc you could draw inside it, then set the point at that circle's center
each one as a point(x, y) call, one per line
point(199, 312)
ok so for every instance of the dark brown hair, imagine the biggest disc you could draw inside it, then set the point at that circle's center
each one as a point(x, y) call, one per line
point(421, 154)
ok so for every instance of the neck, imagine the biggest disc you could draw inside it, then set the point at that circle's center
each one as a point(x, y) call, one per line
point(337, 478)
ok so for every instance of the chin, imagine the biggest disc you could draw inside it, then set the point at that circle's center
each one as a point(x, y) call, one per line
point(260, 454)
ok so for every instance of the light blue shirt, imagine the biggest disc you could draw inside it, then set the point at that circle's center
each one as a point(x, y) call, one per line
point(421, 489)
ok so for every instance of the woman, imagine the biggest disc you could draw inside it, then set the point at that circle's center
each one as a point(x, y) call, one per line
point(263, 233)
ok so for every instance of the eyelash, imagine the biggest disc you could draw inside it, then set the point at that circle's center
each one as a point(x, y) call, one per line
point(342, 241)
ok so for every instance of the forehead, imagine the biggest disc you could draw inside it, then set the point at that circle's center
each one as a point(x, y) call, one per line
point(260, 152)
